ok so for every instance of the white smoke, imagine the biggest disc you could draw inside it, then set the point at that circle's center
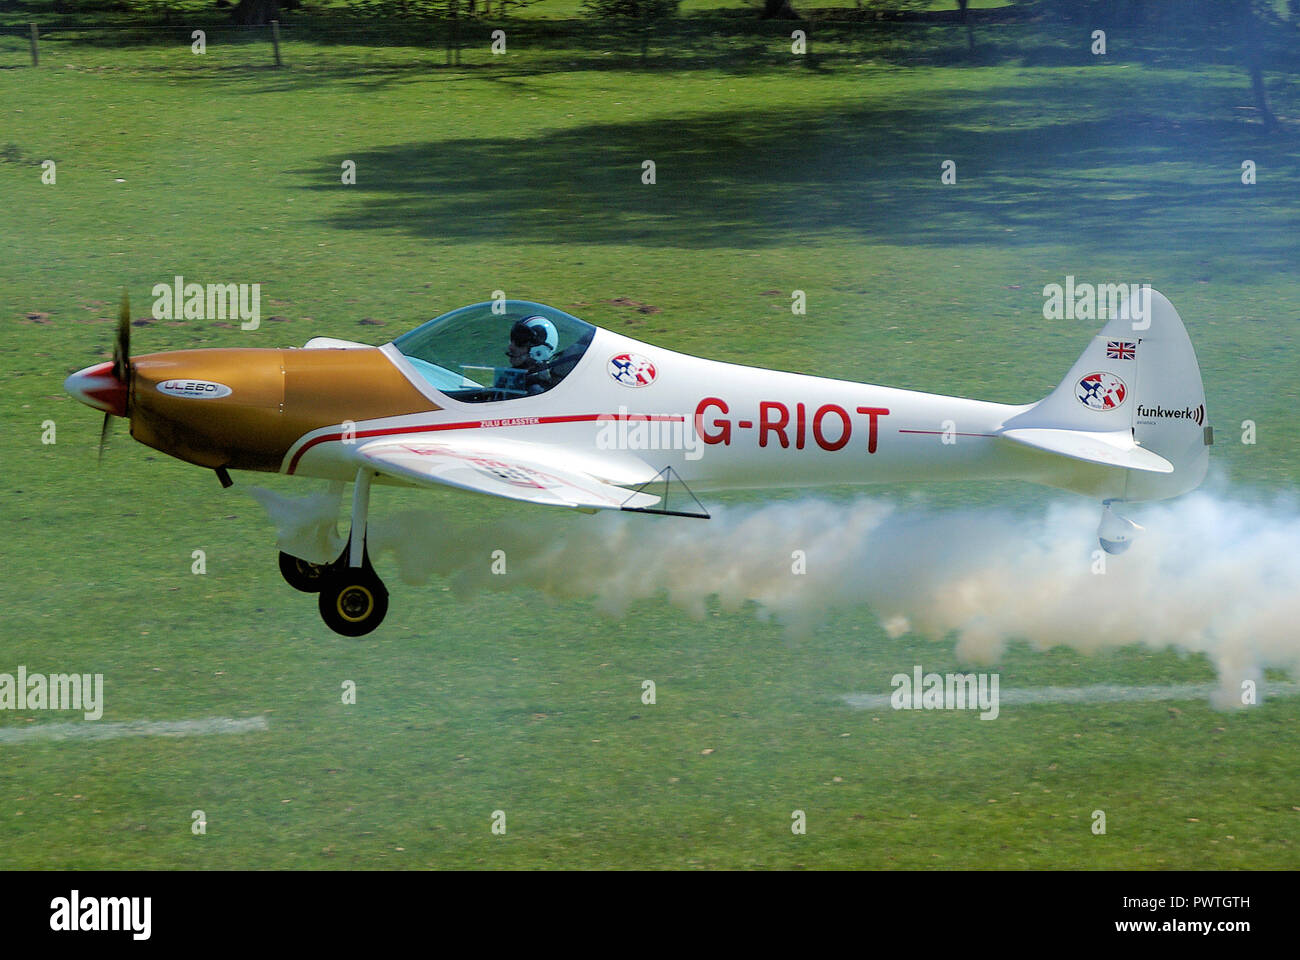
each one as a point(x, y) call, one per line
point(1209, 575)
point(305, 527)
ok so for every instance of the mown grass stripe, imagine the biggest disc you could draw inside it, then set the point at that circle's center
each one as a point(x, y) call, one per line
point(1097, 693)
point(88, 730)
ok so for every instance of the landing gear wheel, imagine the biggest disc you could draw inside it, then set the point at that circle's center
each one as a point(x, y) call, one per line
point(302, 574)
point(353, 600)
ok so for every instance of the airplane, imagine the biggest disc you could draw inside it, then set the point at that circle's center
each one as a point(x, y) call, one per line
point(524, 401)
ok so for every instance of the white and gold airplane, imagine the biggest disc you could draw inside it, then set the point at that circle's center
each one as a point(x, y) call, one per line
point(524, 401)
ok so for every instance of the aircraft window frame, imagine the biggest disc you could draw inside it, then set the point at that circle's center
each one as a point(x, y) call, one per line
point(462, 353)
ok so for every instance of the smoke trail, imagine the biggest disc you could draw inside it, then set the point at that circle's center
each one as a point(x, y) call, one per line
point(1209, 576)
point(305, 527)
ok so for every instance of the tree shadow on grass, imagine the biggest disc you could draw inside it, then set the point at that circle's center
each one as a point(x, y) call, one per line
point(322, 49)
point(1083, 164)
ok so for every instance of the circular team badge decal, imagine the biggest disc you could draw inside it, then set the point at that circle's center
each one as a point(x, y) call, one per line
point(1101, 391)
point(632, 370)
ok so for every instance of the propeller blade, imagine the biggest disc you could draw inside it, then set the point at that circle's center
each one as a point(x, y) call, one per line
point(103, 435)
point(122, 345)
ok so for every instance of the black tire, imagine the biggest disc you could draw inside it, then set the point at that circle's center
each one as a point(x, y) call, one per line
point(353, 601)
point(301, 574)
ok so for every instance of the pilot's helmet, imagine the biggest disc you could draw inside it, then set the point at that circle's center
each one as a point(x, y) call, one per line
point(537, 334)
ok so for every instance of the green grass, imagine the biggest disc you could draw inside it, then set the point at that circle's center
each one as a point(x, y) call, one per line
point(522, 173)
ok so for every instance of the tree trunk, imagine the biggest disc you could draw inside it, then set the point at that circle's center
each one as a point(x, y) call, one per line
point(1255, 66)
point(778, 10)
point(1261, 96)
point(965, 18)
point(256, 13)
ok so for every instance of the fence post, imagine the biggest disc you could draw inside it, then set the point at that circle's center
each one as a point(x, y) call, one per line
point(36, 50)
point(275, 41)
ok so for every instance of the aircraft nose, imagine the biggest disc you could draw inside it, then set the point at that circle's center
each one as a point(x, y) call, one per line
point(96, 387)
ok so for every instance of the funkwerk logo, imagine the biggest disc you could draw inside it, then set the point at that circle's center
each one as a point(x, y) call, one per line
point(1196, 413)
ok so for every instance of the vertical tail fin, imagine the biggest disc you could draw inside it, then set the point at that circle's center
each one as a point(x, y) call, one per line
point(1132, 400)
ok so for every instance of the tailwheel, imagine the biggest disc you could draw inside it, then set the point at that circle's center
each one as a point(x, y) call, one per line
point(353, 600)
point(302, 574)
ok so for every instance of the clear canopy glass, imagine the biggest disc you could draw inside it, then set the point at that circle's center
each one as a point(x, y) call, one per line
point(467, 353)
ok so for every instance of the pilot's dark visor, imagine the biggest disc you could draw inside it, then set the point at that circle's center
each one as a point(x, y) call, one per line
point(522, 335)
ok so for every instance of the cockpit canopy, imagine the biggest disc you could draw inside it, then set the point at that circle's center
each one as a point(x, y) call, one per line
point(497, 350)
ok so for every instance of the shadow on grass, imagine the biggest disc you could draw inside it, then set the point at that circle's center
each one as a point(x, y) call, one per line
point(1086, 163)
point(328, 47)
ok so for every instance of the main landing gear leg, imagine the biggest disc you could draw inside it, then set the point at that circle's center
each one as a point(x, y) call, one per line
point(353, 600)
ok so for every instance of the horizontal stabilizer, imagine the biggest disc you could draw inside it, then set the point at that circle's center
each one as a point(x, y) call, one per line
point(1112, 449)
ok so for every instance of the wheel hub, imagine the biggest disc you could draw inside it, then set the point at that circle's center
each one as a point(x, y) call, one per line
point(355, 603)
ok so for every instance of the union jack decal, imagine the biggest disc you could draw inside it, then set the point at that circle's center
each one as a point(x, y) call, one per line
point(1120, 350)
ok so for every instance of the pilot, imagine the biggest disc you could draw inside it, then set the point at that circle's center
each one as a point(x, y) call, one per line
point(532, 344)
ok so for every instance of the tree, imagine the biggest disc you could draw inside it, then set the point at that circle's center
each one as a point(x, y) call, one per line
point(778, 10)
point(256, 13)
point(635, 9)
point(965, 18)
point(1253, 17)
point(1247, 27)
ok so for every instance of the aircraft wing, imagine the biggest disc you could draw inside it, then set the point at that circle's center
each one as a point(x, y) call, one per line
point(518, 470)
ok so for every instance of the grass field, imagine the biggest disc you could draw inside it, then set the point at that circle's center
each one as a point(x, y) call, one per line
point(522, 173)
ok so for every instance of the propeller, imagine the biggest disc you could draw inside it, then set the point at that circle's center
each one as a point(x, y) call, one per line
point(103, 435)
point(122, 344)
point(121, 364)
